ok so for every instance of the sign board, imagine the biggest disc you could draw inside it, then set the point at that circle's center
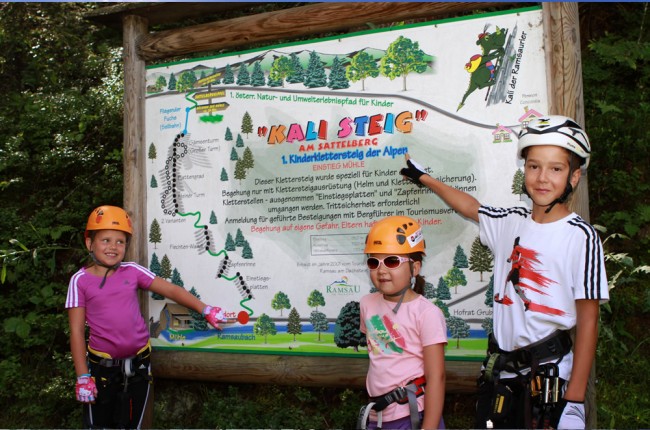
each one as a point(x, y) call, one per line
point(267, 168)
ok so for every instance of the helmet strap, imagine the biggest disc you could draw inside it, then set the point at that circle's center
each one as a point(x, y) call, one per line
point(567, 190)
point(108, 268)
point(401, 294)
point(562, 199)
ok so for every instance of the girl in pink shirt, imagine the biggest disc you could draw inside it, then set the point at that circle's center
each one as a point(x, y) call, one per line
point(406, 333)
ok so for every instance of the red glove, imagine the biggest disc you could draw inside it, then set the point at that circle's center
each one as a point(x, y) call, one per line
point(85, 389)
point(214, 315)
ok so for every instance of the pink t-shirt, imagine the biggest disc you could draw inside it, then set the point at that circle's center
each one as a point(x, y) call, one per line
point(113, 311)
point(396, 343)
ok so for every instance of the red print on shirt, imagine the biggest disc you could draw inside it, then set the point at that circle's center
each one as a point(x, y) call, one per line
point(526, 277)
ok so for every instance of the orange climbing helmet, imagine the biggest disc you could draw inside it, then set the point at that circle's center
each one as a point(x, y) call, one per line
point(395, 235)
point(109, 218)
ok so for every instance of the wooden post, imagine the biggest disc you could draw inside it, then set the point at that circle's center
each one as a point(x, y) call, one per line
point(562, 40)
point(134, 127)
point(134, 27)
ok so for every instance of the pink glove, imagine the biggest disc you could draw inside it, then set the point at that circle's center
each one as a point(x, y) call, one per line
point(214, 315)
point(85, 389)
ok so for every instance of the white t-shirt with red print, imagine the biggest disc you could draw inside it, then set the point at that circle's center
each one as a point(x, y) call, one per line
point(540, 270)
point(395, 344)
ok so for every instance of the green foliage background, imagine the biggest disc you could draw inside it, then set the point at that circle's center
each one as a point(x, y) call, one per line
point(60, 156)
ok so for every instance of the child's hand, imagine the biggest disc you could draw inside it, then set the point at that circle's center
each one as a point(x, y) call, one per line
point(568, 415)
point(413, 171)
point(85, 390)
point(214, 315)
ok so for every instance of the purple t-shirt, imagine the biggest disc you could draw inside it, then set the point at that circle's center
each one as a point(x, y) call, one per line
point(113, 311)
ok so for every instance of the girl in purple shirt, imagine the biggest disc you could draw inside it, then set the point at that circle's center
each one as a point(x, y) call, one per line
point(113, 369)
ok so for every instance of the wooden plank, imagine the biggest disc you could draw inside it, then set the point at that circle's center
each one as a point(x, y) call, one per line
point(162, 13)
point(287, 370)
point(293, 23)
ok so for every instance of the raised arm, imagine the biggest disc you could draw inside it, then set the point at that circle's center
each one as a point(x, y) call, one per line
point(460, 201)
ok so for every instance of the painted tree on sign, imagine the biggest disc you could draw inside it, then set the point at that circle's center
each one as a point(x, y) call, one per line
point(246, 125)
point(362, 66)
point(280, 70)
point(315, 76)
point(442, 291)
point(458, 329)
point(161, 83)
point(239, 238)
point(264, 326)
point(228, 75)
point(155, 235)
point(165, 267)
point(518, 184)
point(247, 251)
point(176, 278)
point(257, 77)
point(460, 259)
point(280, 302)
point(172, 82)
point(480, 257)
point(154, 266)
point(319, 321)
point(297, 73)
point(230, 244)
point(337, 78)
point(346, 332)
point(243, 76)
point(186, 81)
point(293, 324)
point(152, 154)
point(454, 278)
point(247, 158)
point(240, 170)
point(403, 56)
point(315, 299)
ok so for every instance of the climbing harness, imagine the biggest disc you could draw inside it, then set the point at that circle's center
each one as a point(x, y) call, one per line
point(120, 374)
point(541, 385)
point(402, 395)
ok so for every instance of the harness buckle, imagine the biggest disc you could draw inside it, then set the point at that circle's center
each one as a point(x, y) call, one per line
point(398, 395)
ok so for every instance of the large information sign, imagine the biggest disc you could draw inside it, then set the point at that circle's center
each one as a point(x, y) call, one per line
point(267, 168)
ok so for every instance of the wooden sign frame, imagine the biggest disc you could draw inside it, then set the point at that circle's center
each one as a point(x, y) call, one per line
point(564, 79)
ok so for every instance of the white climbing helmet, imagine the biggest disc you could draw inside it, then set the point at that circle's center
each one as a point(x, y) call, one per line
point(556, 130)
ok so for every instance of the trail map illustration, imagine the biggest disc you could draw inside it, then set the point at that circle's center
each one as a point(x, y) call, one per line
point(267, 168)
